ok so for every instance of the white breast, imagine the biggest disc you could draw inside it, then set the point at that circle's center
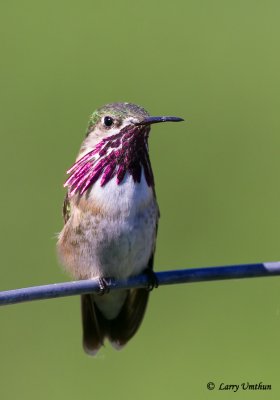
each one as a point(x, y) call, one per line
point(127, 197)
point(127, 231)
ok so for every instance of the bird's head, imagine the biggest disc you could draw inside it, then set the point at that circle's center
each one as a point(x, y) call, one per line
point(116, 143)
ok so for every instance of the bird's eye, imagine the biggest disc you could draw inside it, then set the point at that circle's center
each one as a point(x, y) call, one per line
point(108, 121)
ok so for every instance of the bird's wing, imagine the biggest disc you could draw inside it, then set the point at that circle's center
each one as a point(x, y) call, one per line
point(66, 209)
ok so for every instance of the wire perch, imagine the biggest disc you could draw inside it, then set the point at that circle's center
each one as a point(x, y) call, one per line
point(164, 278)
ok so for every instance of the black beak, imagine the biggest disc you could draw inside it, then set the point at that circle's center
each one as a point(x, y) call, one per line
point(155, 120)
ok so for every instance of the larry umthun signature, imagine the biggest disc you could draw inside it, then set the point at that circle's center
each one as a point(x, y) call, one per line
point(244, 386)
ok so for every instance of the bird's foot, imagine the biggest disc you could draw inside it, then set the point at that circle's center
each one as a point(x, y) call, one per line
point(152, 279)
point(104, 286)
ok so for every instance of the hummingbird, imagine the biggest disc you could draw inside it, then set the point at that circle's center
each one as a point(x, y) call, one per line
point(110, 221)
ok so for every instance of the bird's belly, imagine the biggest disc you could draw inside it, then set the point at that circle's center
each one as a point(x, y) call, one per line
point(117, 239)
point(123, 247)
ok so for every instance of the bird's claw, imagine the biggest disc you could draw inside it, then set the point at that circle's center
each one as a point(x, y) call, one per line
point(104, 286)
point(152, 280)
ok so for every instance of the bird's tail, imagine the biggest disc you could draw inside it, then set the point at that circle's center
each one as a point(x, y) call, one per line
point(96, 327)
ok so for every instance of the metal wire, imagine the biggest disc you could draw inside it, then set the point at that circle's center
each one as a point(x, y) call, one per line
point(164, 278)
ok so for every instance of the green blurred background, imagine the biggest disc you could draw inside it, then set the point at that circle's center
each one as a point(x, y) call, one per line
point(215, 63)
